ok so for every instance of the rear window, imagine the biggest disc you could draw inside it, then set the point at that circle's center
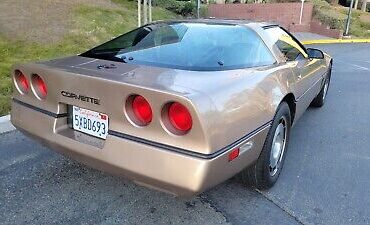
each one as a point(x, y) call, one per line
point(187, 46)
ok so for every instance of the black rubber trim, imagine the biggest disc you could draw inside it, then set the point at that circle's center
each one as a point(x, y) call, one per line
point(55, 115)
point(265, 27)
point(185, 151)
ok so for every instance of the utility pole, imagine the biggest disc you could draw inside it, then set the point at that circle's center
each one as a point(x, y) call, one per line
point(198, 9)
point(348, 19)
point(363, 7)
point(301, 15)
point(150, 11)
point(139, 13)
point(145, 8)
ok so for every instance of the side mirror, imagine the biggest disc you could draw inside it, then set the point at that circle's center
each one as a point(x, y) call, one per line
point(315, 53)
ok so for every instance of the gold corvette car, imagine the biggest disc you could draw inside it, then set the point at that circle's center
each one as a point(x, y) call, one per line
point(179, 106)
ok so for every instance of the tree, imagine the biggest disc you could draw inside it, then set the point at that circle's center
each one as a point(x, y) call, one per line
point(363, 7)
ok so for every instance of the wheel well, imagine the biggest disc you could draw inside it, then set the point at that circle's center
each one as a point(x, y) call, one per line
point(290, 99)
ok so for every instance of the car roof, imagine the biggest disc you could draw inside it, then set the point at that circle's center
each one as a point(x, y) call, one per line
point(219, 21)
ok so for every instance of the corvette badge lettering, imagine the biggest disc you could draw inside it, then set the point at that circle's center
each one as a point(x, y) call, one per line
point(84, 98)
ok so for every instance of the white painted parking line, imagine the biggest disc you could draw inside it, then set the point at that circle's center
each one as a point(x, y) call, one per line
point(360, 61)
point(5, 124)
point(360, 67)
point(354, 65)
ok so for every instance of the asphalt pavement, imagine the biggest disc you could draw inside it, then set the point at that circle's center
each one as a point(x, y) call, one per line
point(325, 180)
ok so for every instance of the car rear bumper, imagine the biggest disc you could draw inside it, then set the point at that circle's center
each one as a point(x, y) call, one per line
point(150, 165)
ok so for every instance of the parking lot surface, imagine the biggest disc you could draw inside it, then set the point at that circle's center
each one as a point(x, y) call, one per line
point(325, 180)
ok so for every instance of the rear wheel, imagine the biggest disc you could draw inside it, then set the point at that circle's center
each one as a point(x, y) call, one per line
point(320, 98)
point(265, 172)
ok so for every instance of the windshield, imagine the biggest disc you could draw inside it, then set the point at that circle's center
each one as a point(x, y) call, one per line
point(188, 46)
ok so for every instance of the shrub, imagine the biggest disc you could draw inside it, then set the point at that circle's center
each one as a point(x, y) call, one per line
point(331, 18)
point(336, 17)
point(360, 29)
point(320, 4)
point(327, 15)
point(184, 8)
point(203, 11)
point(188, 8)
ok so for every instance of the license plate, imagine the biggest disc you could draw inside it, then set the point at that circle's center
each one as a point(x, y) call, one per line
point(90, 122)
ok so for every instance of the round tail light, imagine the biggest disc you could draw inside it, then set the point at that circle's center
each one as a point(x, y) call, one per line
point(21, 82)
point(142, 110)
point(39, 86)
point(180, 117)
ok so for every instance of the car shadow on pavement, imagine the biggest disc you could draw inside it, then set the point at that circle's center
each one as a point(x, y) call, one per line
point(50, 188)
point(41, 186)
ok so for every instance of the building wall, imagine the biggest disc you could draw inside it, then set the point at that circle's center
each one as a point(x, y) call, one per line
point(285, 14)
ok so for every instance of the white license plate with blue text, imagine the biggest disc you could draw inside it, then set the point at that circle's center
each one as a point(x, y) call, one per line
point(90, 122)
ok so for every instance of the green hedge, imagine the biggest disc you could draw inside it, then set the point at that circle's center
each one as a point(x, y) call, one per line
point(336, 18)
point(324, 12)
point(184, 8)
point(331, 18)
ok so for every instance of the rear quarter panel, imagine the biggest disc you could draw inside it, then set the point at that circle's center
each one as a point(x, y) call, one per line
point(244, 100)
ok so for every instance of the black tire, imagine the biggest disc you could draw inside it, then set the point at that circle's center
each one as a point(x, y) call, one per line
point(319, 100)
point(259, 174)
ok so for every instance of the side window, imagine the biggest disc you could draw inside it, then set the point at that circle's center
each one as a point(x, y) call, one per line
point(290, 52)
point(286, 44)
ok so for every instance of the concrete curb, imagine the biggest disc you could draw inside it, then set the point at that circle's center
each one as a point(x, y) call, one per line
point(335, 41)
point(5, 124)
